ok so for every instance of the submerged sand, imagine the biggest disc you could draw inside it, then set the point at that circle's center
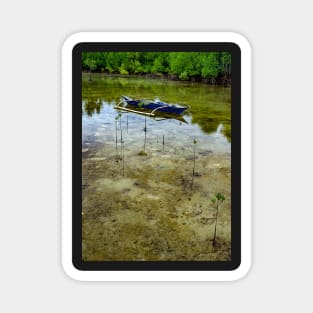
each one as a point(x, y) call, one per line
point(152, 207)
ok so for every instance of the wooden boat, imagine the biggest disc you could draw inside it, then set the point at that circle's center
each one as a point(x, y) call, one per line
point(154, 107)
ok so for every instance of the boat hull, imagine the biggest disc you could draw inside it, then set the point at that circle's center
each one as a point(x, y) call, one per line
point(161, 107)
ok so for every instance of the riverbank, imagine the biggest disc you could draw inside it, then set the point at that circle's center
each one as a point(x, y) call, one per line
point(219, 81)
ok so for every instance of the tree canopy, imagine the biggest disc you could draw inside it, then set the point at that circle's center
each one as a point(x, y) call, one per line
point(212, 67)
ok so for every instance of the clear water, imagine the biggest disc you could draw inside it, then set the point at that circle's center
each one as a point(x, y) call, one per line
point(147, 182)
point(207, 120)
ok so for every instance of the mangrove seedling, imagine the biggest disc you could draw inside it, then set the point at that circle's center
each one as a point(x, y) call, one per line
point(116, 118)
point(194, 156)
point(122, 145)
point(120, 117)
point(145, 130)
point(216, 201)
point(163, 142)
point(123, 157)
point(194, 160)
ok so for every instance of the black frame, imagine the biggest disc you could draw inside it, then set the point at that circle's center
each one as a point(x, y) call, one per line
point(235, 158)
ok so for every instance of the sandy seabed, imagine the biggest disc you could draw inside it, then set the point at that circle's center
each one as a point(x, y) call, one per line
point(154, 209)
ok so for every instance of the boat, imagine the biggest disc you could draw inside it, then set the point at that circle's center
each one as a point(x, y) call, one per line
point(154, 106)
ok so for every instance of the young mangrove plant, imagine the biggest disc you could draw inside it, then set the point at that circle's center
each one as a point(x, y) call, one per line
point(121, 131)
point(216, 201)
point(163, 143)
point(143, 152)
point(145, 129)
point(116, 156)
point(194, 161)
point(119, 117)
point(123, 158)
point(122, 145)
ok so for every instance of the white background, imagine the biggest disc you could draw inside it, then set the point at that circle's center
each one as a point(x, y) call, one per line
point(31, 277)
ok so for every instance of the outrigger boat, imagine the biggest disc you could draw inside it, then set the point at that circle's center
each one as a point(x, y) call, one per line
point(153, 106)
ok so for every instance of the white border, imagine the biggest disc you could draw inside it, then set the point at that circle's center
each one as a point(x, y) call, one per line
point(68, 45)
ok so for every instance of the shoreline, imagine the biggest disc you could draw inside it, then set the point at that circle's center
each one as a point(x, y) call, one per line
point(168, 77)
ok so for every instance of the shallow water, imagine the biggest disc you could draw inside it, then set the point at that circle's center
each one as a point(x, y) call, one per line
point(141, 200)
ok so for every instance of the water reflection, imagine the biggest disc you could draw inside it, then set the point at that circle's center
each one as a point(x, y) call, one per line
point(209, 106)
point(90, 107)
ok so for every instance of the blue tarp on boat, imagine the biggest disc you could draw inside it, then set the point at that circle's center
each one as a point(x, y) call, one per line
point(156, 106)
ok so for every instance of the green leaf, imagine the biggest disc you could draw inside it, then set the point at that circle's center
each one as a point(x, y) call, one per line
point(219, 196)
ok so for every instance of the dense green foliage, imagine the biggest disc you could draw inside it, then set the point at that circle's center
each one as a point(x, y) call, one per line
point(212, 67)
